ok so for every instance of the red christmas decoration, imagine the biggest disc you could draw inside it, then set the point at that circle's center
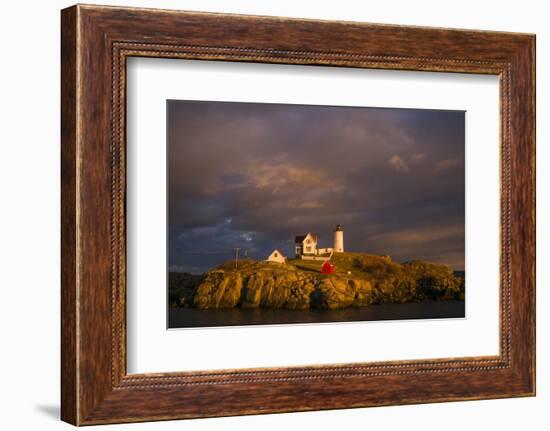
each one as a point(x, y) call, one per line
point(327, 268)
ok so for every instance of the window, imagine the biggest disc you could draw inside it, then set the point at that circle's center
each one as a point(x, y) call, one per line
point(275, 254)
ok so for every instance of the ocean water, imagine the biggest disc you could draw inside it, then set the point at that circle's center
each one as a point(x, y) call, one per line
point(193, 318)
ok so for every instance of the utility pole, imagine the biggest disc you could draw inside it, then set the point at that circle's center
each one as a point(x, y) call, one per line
point(236, 257)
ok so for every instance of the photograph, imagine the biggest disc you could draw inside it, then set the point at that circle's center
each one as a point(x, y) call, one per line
point(289, 214)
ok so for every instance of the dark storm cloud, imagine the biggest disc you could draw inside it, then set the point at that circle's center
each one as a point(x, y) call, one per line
point(254, 175)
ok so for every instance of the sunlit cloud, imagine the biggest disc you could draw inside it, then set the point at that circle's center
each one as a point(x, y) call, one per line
point(418, 157)
point(449, 163)
point(398, 164)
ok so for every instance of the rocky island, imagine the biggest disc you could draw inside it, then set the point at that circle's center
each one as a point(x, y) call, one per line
point(358, 280)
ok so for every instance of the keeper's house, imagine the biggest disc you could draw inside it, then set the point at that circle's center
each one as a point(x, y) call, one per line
point(306, 245)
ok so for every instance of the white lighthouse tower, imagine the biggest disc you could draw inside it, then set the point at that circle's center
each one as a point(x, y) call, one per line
point(338, 239)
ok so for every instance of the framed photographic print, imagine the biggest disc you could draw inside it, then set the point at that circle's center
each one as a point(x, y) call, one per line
point(265, 214)
point(257, 240)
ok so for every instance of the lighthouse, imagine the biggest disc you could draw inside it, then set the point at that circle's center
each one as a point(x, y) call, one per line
point(338, 239)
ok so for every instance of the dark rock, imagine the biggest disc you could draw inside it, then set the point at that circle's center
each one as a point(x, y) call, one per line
point(219, 289)
point(360, 280)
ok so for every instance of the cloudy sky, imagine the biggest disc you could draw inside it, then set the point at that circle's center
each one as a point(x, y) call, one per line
point(253, 176)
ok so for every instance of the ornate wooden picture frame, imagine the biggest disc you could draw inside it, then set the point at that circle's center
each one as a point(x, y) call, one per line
point(96, 41)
